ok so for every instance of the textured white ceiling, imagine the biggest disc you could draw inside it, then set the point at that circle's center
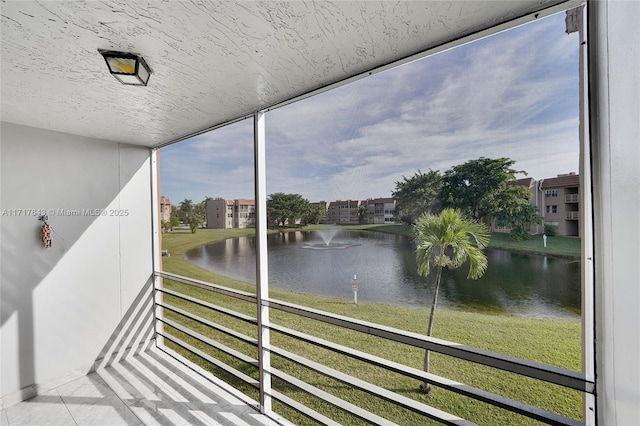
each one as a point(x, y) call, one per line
point(212, 61)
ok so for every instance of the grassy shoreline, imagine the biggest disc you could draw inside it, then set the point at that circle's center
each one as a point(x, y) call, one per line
point(558, 246)
point(555, 342)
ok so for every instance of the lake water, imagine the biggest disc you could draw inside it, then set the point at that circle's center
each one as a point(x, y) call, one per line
point(517, 284)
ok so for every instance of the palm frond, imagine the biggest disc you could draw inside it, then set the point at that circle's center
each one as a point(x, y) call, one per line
point(462, 239)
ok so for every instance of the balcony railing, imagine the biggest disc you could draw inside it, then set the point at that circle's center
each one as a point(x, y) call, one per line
point(188, 322)
point(572, 198)
point(572, 215)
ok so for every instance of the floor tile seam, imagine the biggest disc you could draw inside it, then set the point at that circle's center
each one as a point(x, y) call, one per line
point(65, 406)
point(101, 387)
point(124, 403)
point(127, 408)
point(186, 417)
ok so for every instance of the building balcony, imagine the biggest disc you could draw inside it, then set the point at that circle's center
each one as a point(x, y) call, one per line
point(572, 198)
point(572, 215)
point(91, 150)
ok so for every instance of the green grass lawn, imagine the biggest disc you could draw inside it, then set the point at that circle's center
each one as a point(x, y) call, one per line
point(555, 342)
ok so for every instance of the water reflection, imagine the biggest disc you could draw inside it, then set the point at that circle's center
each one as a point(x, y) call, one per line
point(518, 284)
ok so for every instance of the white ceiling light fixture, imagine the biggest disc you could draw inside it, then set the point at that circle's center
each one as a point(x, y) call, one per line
point(128, 68)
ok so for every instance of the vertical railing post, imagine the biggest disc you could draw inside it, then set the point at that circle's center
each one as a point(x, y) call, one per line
point(156, 243)
point(585, 216)
point(262, 272)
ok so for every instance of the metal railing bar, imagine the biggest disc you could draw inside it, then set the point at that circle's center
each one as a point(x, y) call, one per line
point(242, 295)
point(212, 343)
point(238, 374)
point(316, 416)
point(527, 368)
point(233, 333)
point(301, 408)
point(547, 373)
point(457, 387)
point(208, 323)
point(332, 399)
point(208, 305)
point(402, 401)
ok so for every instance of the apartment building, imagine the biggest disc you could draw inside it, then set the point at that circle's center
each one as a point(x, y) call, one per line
point(559, 203)
point(349, 212)
point(244, 213)
point(380, 210)
point(343, 212)
point(222, 213)
point(165, 209)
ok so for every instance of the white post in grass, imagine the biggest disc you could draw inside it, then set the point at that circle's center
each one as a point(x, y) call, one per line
point(354, 287)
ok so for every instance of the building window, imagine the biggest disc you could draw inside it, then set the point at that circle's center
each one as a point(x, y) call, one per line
point(551, 193)
point(552, 209)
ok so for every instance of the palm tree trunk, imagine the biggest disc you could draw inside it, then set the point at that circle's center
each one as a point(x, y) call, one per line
point(426, 387)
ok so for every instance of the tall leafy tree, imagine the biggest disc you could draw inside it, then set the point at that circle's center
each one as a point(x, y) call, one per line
point(192, 214)
point(417, 195)
point(483, 188)
point(196, 217)
point(186, 206)
point(283, 207)
point(448, 240)
point(518, 214)
point(194, 221)
point(174, 221)
point(362, 214)
point(314, 214)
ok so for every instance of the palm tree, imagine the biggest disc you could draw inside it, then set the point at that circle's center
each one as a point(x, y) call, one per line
point(448, 240)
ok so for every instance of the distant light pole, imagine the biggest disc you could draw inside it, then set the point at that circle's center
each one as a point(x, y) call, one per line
point(354, 287)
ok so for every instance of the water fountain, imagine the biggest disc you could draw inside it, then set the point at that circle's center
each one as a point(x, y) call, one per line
point(328, 243)
point(328, 234)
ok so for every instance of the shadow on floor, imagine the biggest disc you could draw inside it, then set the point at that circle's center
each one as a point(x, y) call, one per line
point(150, 388)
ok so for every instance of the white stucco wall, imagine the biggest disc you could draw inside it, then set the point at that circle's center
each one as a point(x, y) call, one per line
point(63, 308)
point(615, 95)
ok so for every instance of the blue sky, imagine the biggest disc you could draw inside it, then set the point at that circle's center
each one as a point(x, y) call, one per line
point(514, 94)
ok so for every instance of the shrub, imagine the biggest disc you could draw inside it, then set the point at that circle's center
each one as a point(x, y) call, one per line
point(519, 235)
point(550, 230)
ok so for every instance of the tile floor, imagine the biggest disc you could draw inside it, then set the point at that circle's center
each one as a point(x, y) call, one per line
point(151, 388)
